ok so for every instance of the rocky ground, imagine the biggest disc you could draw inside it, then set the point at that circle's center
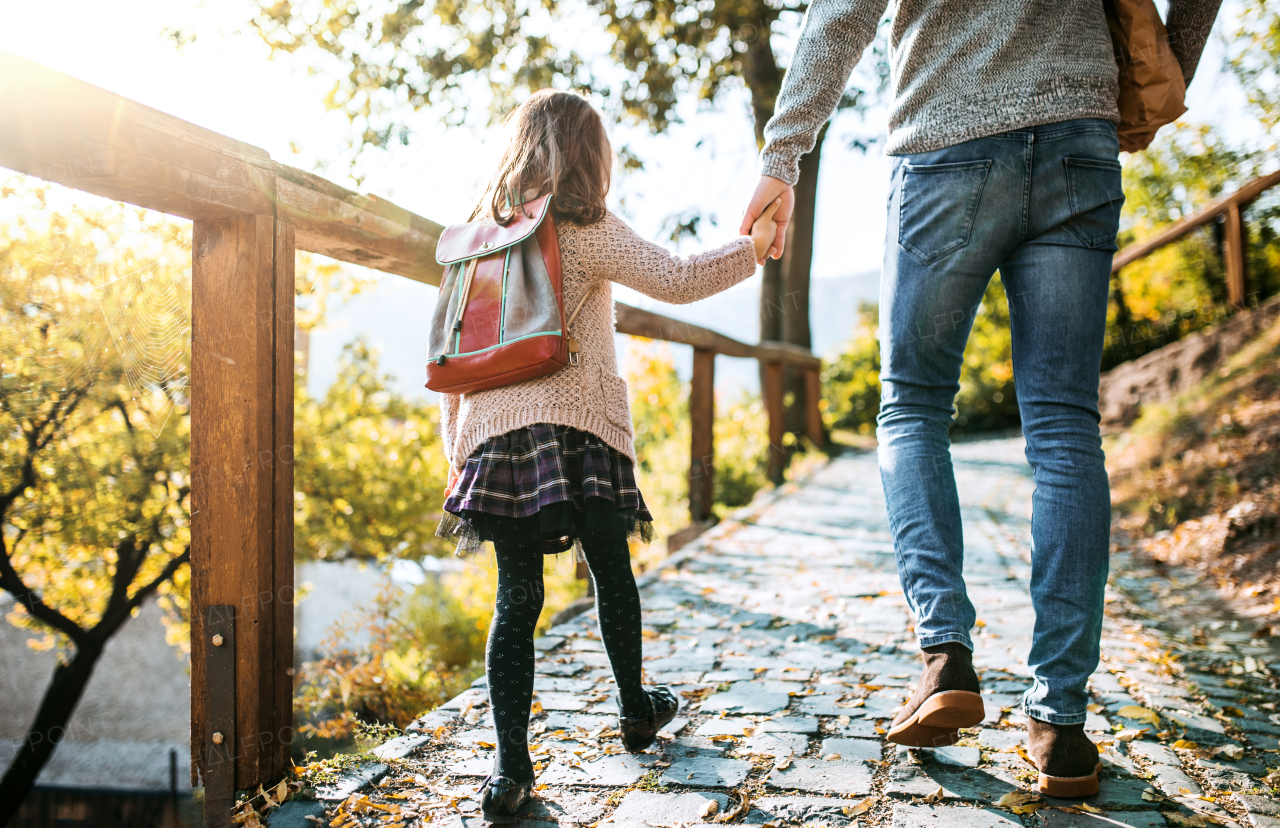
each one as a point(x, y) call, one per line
point(786, 634)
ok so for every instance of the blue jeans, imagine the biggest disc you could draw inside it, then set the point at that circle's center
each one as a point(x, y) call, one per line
point(1042, 206)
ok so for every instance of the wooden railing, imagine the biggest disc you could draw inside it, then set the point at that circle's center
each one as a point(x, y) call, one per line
point(1234, 238)
point(250, 215)
point(706, 344)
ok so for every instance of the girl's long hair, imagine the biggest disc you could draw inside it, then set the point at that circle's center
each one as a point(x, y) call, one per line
point(557, 145)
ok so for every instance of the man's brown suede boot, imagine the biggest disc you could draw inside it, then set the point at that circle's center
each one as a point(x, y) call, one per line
point(947, 698)
point(1068, 762)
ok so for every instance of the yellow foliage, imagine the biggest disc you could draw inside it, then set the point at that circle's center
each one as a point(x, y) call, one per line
point(660, 413)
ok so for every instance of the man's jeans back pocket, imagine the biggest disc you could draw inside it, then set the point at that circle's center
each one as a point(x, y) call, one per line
point(1093, 186)
point(937, 207)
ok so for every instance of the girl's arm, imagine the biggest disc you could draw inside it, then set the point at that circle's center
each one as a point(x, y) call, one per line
point(615, 252)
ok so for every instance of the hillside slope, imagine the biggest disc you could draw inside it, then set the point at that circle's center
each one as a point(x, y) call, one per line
point(1196, 480)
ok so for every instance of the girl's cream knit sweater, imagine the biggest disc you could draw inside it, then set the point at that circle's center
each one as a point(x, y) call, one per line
point(590, 396)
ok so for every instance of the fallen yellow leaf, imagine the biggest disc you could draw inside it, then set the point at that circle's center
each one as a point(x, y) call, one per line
point(1131, 733)
point(1185, 744)
point(1015, 799)
point(860, 807)
point(1139, 714)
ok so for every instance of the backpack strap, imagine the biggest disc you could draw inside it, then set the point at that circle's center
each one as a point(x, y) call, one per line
point(573, 343)
point(465, 294)
point(581, 302)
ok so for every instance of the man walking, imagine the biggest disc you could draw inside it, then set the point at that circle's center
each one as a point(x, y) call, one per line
point(1003, 133)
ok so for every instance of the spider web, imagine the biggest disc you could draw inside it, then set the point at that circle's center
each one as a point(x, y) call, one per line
point(147, 314)
point(139, 314)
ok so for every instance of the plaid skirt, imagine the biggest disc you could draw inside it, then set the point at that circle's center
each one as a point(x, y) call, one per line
point(550, 485)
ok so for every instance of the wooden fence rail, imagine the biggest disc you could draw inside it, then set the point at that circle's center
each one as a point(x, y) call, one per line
point(1231, 208)
point(250, 215)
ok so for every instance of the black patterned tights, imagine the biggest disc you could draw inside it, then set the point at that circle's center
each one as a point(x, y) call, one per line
point(509, 656)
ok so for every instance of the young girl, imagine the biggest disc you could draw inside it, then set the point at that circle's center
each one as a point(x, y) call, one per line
point(544, 466)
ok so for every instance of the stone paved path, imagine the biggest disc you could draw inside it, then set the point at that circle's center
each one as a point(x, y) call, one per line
point(786, 633)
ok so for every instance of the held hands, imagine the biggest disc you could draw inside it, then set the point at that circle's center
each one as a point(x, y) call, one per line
point(765, 229)
point(770, 189)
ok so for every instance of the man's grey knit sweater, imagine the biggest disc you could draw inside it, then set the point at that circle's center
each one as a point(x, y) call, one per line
point(963, 69)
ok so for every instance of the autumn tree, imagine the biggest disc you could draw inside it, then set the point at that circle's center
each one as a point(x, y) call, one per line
point(455, 57)
point(95, 440)
point(94, 509)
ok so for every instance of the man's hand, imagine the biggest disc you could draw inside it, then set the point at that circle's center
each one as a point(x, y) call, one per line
point(767, 191)
point(765, 230)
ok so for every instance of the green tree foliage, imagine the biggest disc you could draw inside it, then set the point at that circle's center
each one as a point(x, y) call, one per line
point(851, 378)
point(986, 400)
point(369, 472)
point(464, 56)
point(660, 411)
point(1181, 288)
point(1254, 55)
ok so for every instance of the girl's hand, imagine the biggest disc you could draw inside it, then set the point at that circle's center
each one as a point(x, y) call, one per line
point(767, 190)
point(764, 230)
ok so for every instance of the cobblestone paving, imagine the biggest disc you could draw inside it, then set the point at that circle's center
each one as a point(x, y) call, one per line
point(786, 634)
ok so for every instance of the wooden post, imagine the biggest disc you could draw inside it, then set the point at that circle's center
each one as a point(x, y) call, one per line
point(242, 352)
point(283, 344)
point(773, 407)
point(813, 410)
point(1233, 251)
point(702, 415)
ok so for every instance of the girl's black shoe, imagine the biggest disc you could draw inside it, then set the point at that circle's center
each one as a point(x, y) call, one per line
point(503, 798)
point(639, 733)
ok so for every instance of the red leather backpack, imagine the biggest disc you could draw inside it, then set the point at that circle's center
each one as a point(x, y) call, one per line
point(499, 318)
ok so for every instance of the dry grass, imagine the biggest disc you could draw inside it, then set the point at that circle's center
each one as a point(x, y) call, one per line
point(1197, 480)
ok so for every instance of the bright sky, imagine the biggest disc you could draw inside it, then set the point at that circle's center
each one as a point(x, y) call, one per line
point(225, 82)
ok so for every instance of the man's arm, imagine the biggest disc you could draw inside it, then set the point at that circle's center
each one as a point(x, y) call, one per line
point(832, 40)
point(1189, 24)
